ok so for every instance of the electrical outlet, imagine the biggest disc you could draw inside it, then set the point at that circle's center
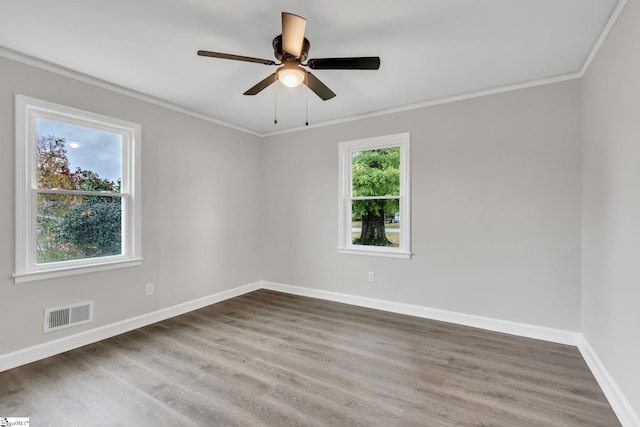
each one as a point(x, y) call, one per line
point(371, 277)
point(150, 288)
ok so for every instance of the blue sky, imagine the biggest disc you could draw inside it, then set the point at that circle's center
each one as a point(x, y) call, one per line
point(89, 149)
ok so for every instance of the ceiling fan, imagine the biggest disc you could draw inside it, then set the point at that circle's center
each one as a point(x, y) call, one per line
point(291, 48)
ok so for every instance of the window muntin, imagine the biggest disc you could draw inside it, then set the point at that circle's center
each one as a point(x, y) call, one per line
point(77, 191)
point(374, 196)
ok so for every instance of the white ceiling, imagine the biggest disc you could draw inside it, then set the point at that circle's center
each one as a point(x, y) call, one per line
point(429, 49)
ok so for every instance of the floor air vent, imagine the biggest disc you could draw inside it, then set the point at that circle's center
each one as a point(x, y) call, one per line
point(65, 317)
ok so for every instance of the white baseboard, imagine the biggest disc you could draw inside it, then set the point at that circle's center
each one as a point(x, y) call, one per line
point(619, 403)
point(51, 348)
point(521, 329)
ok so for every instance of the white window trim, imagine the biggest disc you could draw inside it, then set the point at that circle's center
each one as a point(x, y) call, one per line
point(26, 269)
point(346, 150)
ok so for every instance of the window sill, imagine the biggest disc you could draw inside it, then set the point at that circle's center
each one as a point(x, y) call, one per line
point(34, 276)
point(376, 252)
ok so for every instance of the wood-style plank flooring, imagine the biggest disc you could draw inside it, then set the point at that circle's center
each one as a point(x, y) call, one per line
point(273, 359)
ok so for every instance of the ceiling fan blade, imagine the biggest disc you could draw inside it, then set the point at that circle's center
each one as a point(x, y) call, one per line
point(293, 27)
point(262, 85)
point(318, 87)
point(236, 57)
point(359, 63)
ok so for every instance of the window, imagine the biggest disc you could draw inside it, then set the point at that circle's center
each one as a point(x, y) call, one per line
point(374, 203)
point(77, 191)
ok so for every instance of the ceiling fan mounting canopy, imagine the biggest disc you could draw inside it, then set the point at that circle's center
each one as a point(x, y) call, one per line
point(283, 56)
point(291, 48)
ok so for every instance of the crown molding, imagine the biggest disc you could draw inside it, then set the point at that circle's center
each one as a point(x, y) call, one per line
point(555, 79)
point(434, 102)
point(603, 35)
point(28, 60)
point(65, 72)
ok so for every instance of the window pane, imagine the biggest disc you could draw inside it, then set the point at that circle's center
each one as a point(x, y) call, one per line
point(375, 222)
point(76, 227)
point(376, 172)
point(76, 158)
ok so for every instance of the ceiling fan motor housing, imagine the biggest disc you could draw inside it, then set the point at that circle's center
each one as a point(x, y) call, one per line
point(284, 57)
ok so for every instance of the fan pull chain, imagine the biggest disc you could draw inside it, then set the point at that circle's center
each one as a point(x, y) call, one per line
point(275, 101)
point(306, 83)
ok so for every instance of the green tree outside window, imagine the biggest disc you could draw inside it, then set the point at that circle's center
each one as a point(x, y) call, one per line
point(375, 177)
point(73, 226)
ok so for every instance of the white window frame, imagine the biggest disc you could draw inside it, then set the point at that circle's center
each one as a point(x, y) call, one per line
point(28, 110)
point(346, 150)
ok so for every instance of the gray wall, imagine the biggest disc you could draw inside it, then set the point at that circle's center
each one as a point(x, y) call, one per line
point(505, 201)
point(495, 208)
point(200, 222)
point(611, 213)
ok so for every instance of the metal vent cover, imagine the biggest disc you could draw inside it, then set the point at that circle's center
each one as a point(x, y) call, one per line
point(67, 316)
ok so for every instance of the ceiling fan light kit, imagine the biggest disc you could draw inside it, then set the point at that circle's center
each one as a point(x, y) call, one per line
point(291, 48)
point(291, 76)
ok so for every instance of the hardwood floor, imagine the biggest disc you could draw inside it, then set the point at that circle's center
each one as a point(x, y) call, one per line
point(273, 359)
